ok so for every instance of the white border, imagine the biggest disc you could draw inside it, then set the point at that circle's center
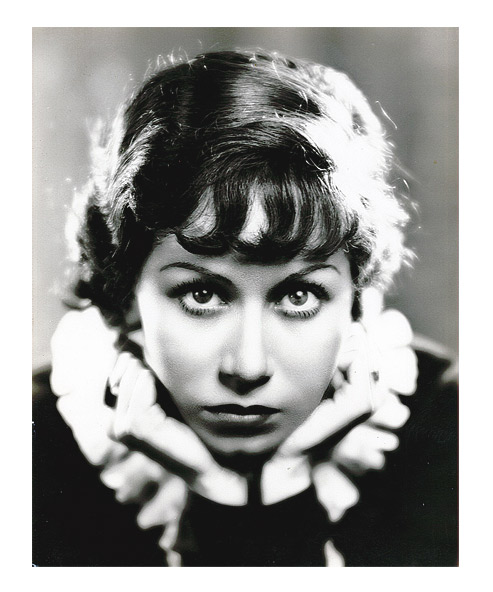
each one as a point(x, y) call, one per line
point(475, 326)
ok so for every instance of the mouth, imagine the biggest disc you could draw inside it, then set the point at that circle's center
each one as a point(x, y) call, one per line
point(239, 415)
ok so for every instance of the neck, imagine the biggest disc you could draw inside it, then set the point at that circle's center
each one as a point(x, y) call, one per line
point(242, 463)
point(249, 466)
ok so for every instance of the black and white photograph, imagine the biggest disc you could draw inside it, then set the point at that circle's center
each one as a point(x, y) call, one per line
point(245, 297)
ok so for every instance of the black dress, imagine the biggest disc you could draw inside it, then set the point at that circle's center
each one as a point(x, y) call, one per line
point(406, 516)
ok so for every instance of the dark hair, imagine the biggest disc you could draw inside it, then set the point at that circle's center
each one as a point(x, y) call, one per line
point(203, 141)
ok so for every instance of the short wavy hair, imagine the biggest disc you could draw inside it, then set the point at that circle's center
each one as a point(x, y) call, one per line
point(204, 141)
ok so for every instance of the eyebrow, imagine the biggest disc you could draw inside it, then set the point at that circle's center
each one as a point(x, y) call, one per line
point(310, 269)
point(198, 269)
point(215, 276)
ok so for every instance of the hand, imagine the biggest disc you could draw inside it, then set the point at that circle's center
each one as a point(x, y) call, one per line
point(137, 437)
point(130, 472)
point(379, 350)
point(83, 354)
point(141, 424)
point(357, 396)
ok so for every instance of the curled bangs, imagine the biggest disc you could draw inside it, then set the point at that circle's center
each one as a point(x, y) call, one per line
point(268, 216)
point(251, 153)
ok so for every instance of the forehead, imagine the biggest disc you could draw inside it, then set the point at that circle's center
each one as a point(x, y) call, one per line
point(169, 252)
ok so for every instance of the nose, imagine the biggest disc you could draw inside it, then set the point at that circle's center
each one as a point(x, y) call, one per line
point(246, 365)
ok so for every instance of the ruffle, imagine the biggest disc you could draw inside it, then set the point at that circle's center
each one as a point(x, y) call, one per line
point(162, 495)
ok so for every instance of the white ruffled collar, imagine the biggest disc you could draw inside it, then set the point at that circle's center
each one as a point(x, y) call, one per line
point(363, 448)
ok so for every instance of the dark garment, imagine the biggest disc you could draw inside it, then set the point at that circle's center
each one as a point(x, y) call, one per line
point(407, 514)
point(290, 533)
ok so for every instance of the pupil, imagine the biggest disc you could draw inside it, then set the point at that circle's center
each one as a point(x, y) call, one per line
point(298, 298)
point(202, 296)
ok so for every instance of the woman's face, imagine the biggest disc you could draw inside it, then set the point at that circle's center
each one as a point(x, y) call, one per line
point(246, 350)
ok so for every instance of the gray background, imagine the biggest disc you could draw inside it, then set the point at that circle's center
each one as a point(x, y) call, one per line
point(412, 73)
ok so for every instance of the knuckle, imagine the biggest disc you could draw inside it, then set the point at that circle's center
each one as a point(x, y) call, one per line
point(379, 461)
point(123, 429)
point(129, 429)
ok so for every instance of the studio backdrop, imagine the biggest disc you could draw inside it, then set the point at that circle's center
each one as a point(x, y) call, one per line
point(410, 76)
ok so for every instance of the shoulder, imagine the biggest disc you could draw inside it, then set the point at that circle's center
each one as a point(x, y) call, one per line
point(76, 521)
point(437, 364)
point(434, 406)
point(407, 513)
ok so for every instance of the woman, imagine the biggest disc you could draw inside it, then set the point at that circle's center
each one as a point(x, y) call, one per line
point(232, 381)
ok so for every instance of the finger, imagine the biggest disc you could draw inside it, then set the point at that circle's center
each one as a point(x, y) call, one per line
point(118, 371)
point(350, 346)
point(284, 477)
point(132, 477)
point(393, 414)
point(374, 357)
point(355, 399)
point(329, 418)
point(375, 459)
point(360, 368)
point(362, 448)
point(365, 437)
point(337, 379)
point(335, 491)
point(144, 393)
point(90, 425)
point(126, 391)
point(359, 341)
point(142, 425)
point(371, 460)
point(221, 485)
point(372, 303)
point(172, 444)
point(394, 329)
point(382, 439)
point(167, 543)
point(179, 450)
point(166, 505)
point(401, 370)
point(83, 353)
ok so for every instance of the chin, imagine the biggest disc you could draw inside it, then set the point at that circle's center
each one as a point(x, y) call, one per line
point(244, 458)
point(231, 447)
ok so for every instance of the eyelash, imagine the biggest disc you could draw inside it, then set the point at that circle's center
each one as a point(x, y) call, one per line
point(318, 290)
point(181, 290)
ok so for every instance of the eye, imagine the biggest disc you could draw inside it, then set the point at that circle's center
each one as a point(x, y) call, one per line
point(203, 296)
point(299, 302)
point(200, 299)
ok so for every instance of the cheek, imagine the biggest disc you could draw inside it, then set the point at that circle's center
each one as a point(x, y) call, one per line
point(309, 355)
point(180, 353)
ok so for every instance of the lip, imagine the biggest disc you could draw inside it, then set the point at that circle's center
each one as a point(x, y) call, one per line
point(240, 415)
